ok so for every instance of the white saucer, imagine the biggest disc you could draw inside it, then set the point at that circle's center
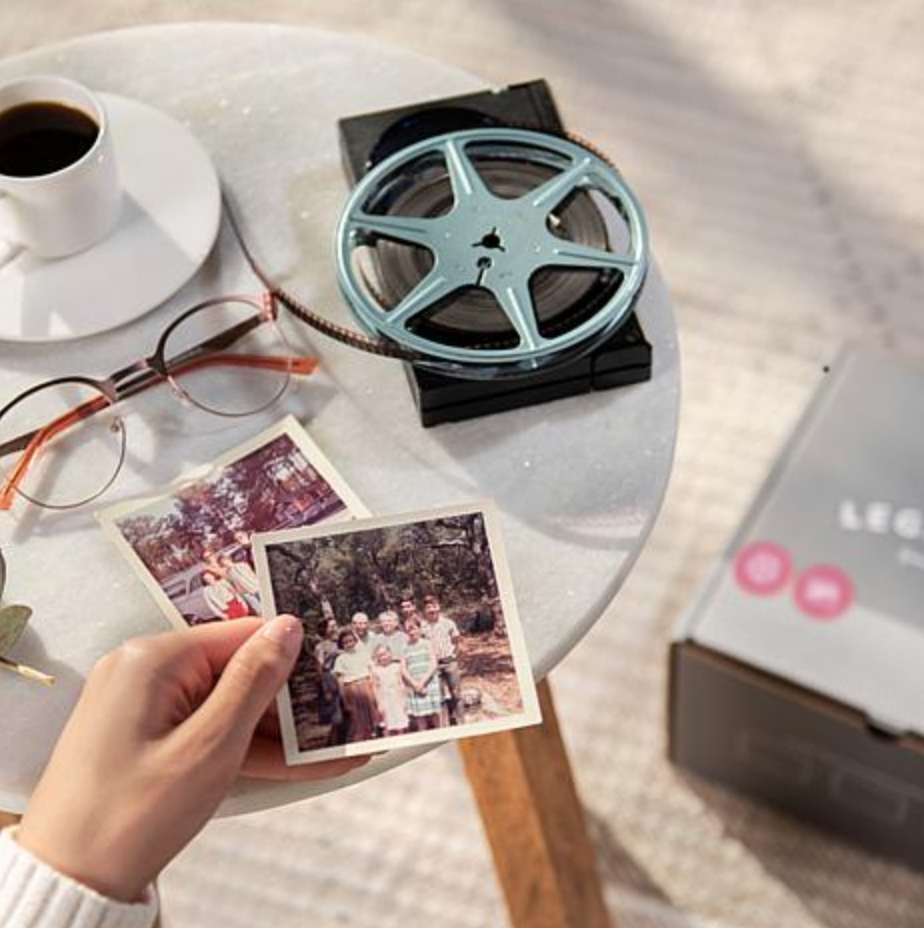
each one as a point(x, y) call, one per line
point(170, 217)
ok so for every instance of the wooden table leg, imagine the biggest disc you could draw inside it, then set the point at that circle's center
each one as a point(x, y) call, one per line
point(535, 825)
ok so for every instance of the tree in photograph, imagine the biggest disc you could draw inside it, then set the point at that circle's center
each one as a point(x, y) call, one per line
point(269, 488)
point(374, 569)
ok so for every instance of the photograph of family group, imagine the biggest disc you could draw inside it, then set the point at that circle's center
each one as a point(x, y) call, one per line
point(411, 633)
point(191, 543)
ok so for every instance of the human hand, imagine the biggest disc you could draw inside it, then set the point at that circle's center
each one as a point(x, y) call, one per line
point(163, 728)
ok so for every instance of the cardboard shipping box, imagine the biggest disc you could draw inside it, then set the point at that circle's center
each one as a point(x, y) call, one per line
point(798, 675)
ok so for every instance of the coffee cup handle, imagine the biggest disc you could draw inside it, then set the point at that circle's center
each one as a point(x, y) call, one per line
point(9, 251)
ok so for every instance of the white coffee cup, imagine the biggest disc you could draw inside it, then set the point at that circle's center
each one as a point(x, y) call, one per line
point(56, 214)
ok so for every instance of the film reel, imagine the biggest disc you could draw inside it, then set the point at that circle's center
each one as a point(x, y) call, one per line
point(492, 252)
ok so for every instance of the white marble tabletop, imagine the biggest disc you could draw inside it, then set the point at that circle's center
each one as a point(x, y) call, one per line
point(579, 482)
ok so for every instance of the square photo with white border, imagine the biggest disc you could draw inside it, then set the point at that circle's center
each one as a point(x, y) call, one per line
point(190, 542)
point(411, 632)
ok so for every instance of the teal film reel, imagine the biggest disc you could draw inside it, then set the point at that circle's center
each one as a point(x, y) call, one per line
point(492, 252)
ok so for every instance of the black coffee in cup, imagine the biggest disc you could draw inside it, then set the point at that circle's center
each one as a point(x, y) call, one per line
point(43, 137)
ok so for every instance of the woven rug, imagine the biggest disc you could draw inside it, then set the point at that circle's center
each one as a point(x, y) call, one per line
point(777, 148)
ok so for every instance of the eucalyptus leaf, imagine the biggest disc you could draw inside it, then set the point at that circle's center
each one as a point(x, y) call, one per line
point(13, 622)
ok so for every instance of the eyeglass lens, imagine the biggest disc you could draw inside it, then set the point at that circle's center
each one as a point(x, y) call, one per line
point(60, 446)
point(238, 374)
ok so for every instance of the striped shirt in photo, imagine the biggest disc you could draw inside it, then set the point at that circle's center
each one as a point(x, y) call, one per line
point(442, 634)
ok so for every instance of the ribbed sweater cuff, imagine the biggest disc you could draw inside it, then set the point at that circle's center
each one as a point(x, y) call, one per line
point(34, 895)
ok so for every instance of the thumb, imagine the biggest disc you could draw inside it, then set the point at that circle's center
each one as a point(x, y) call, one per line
point(249, 682)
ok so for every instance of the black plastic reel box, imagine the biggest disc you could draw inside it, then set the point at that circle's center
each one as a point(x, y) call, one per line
point(366, 140)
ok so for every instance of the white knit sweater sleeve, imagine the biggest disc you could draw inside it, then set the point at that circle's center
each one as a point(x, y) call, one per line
point(33, 895)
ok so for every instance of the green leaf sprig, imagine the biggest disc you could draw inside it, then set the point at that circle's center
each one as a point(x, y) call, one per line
point(13, 622)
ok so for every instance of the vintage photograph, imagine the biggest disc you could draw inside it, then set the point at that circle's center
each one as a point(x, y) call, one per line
point(191, 543)
point(411, 633)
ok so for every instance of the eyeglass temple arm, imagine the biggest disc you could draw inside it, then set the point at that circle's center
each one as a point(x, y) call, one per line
point(200, 355)
point(195, 357)
point(150, 378)
point(217, 342)
point(147, 376)
point(297, 365)
point(35, 441)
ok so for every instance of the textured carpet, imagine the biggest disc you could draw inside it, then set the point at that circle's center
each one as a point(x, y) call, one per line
point(777, 148)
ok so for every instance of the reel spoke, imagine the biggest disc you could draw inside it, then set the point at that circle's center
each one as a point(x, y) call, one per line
point(465, 179)
point(411, 229)
point(517, 303)
point(571, 254)
point(548, 195)
point(433, 288)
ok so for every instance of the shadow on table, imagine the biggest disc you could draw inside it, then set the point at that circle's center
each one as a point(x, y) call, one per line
point(633, 897)
point(30, 651)
point(679, 118)
point(834, 880)
point(678, 122)
point(21, 735)
point(47, 286)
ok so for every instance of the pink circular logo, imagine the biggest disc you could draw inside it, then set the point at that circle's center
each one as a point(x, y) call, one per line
point(824, 592)
point(763, 568)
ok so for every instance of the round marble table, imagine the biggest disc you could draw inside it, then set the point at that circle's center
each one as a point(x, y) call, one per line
point(579, 482)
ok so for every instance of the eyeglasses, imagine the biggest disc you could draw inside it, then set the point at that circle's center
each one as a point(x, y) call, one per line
point(62, 443)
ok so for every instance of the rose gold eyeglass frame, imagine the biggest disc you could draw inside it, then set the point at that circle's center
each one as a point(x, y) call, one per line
point(143, 374)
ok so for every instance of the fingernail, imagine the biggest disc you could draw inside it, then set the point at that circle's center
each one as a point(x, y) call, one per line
point(286, 631)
